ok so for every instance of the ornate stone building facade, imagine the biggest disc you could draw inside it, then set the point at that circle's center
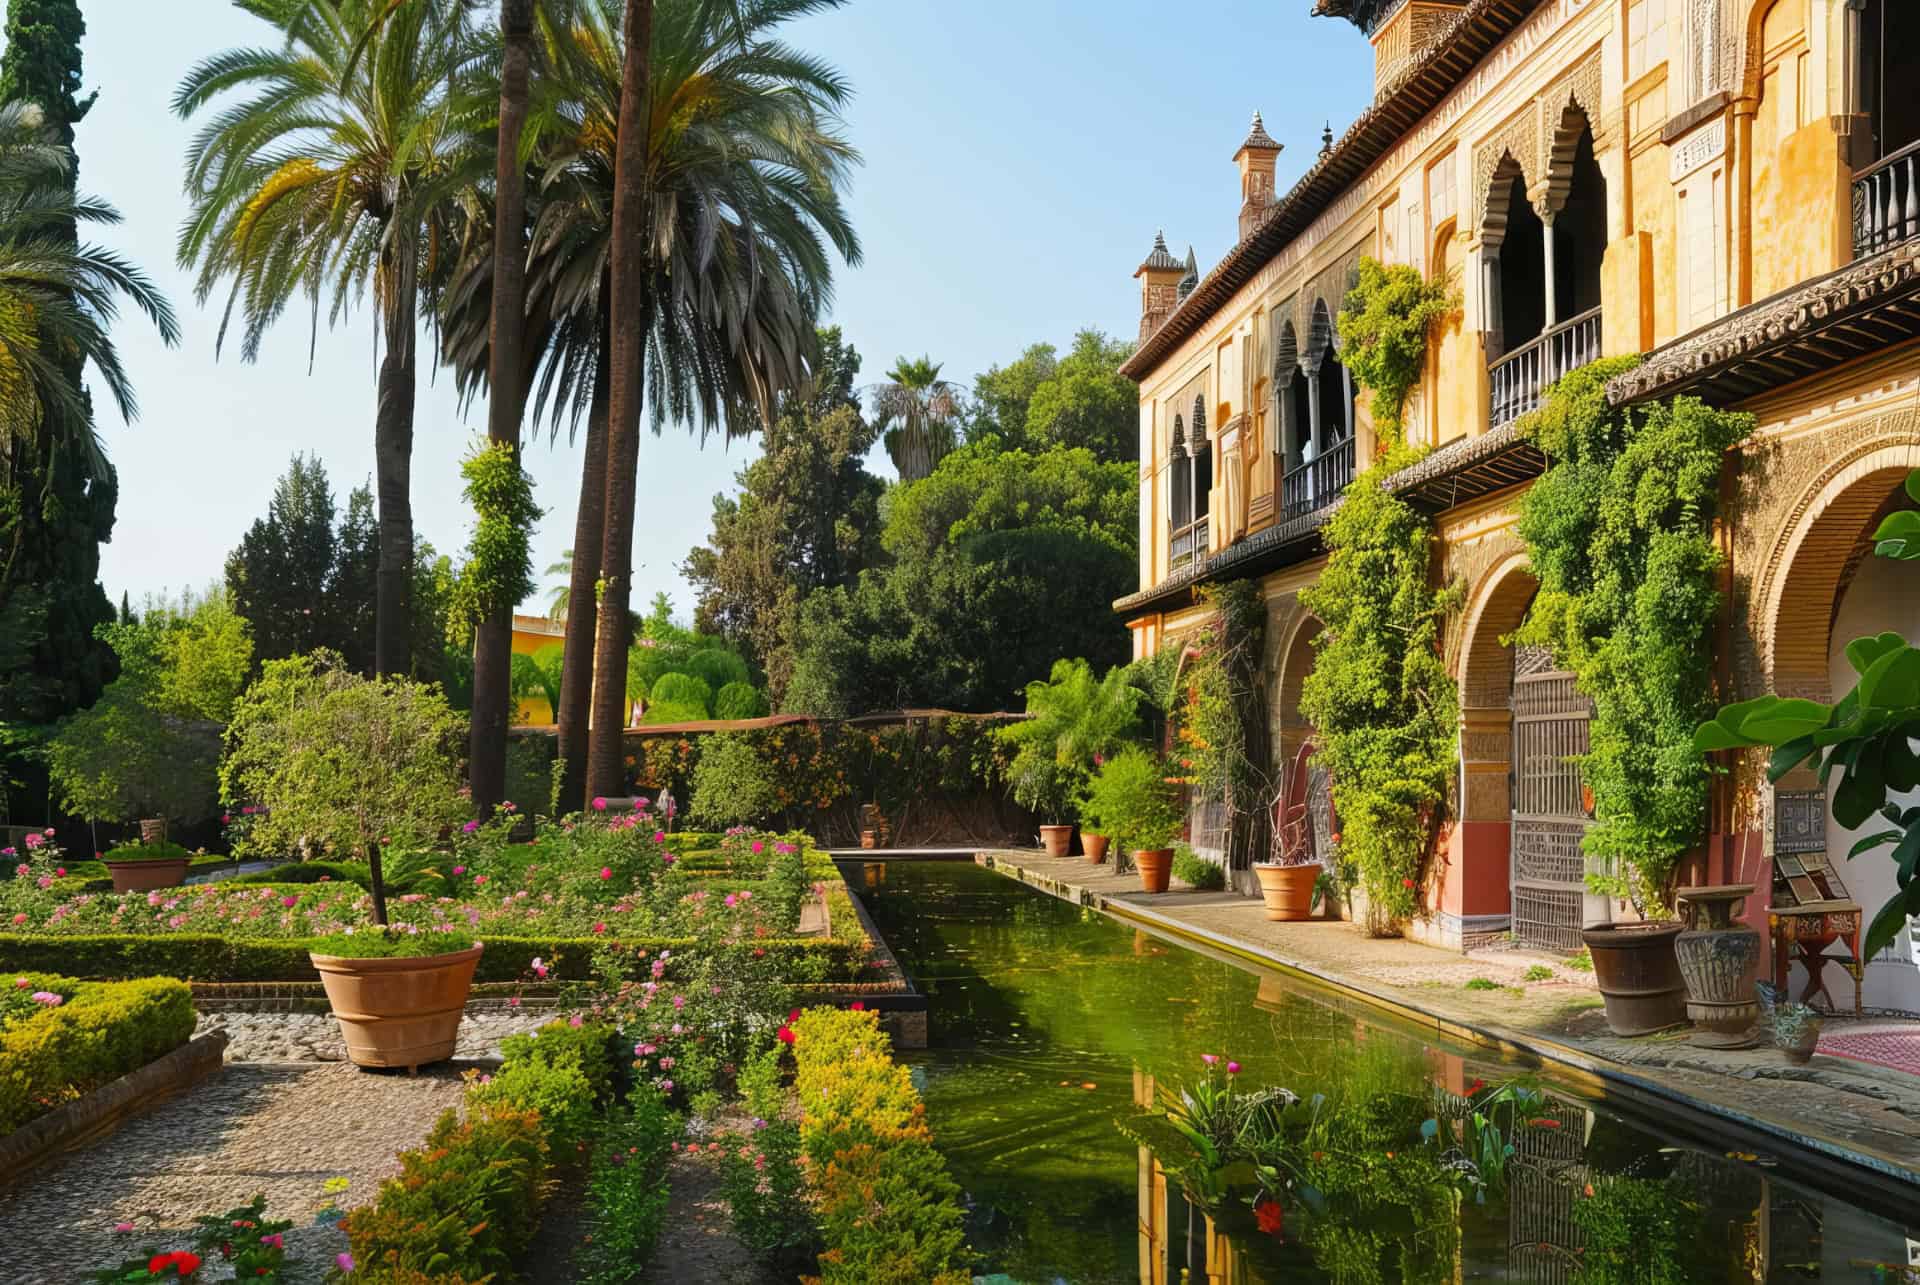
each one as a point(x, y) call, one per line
point(1730, 187)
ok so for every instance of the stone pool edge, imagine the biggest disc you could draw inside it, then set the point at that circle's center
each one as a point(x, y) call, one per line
point(1837, 1157)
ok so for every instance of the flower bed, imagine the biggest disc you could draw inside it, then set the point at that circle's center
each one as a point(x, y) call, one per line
point(889, 1212)
point(61, 1038)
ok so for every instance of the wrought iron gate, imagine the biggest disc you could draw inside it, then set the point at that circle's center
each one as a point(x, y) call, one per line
point(1549, 803)
point(1320, 810)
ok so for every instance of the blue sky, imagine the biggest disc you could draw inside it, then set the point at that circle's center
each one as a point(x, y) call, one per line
point(1018, 159)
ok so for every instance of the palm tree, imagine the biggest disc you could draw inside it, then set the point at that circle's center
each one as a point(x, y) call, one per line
point(58, 302)
point(557, 604)
point(916, 409)
point(335, 173)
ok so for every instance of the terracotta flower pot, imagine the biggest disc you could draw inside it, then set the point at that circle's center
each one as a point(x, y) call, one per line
point(1154, 865)
point(1056, 839)
point(145, 876)
point(1639, 977)
point(1094, 846)
point(1288, 890)
point(399, 1012)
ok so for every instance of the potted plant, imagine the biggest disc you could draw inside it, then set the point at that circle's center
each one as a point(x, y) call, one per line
point(1140, 808)
point(142, 867)
point(1073, 720)
point(1796, 1031)
point(350, 765)
point(1287, 884)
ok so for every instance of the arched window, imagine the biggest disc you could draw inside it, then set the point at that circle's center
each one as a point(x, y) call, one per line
point(1202, 460)
point(1514, 242)
point(1580, 221)
point(1179, 478)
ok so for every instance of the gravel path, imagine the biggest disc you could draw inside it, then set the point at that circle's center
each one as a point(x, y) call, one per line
point(279, 1129)
point(315, 1037)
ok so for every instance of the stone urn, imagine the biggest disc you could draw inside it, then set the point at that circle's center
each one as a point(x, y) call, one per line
point(1638, 977)
point(1719, 960)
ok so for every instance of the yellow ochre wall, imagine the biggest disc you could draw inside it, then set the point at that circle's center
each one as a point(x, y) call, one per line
point(531, 634)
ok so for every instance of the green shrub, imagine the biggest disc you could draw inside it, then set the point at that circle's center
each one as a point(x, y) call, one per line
point(627, 1193)
point(465, 1204)
point(1640, 1231)
point(717, 667)
point(1537, 973)
point(731, 786)
point(759, 1083)
point(1196, 871)
point(659, 712)
point(102, 1032)
point(590, 1047)
point(1129, 798)
point(145, 852)
point(557, 1091)
point(683, 690)
point(740, 700)
point(312, 872)
point(377, 943)
point(889, 1211)
point(765, 1191)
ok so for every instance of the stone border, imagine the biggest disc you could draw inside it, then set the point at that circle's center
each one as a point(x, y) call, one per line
point(1889, 1181)
point(104, 1110)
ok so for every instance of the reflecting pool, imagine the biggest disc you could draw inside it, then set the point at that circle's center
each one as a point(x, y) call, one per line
point(1051, 1028)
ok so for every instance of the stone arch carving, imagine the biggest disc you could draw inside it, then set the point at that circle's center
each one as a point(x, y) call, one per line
point(1752, 52)
point(1286, 350)
point(1499, 605)
point(1496, 195)
point(1814, 556)
point(1177, 445)
point(1321, 336)
point(1517, 143)
point(1574, 120)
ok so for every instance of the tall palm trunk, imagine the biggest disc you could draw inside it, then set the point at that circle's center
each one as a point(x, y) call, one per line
point(493, 638)
point(632, 310)
point(393, 461)
point(576, 663)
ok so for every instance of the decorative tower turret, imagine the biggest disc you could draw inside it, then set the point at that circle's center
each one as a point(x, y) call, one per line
point(1159, 277)
point(1255, 159)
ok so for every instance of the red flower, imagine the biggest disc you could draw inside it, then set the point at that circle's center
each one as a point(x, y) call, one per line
point(180, 1261)
point(794, 1016)
point(1406, 883)
point(1475, 1087)
point(857, 1006)
point(1268, 1214)
point(1544, 1122)
point(786, 1034)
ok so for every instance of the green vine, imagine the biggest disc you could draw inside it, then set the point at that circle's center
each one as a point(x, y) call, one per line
point(1618, 534)
point(1222, 726)
point(1384, 709)
point(499, 570)
point(1384, 324)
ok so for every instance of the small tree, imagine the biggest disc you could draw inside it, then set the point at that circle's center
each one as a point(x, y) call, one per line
point(1073, 719)
point(343, 763)
point(732, 786)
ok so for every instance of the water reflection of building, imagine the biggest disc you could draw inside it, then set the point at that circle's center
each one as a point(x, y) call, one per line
point(1546, 1175)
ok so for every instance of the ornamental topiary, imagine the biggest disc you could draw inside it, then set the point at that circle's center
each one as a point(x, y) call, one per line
point(740, 700)
point(684, 691)
point(1618, 532)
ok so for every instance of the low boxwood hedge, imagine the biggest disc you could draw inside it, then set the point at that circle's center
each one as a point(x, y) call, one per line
point(208, 957)
point(102, 1032)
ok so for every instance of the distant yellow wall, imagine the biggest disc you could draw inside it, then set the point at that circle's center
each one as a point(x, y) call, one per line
point(530, 634)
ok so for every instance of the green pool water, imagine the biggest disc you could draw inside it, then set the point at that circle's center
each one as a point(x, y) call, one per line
point(1049, 1026)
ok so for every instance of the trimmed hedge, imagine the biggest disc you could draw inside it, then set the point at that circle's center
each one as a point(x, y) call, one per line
point(467, 1203)
point(208, 957)
point(889, 1211)
point(104, 1031)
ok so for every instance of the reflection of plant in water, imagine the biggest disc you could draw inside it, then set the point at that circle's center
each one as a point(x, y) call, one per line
point(1639, 1231)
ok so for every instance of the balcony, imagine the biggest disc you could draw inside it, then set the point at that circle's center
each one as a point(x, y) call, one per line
point(1315, 485)
point(1188, 548)
point(1886, 202)
point(1521, 378)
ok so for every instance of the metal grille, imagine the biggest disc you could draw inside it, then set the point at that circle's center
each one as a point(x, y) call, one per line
point(1320, 809)
point(1546, 1172)
point(1550, 719)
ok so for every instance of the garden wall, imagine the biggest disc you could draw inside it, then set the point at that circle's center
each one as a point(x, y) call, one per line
point(937, 777)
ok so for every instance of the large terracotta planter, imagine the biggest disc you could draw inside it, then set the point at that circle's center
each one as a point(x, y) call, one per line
point(1288, 890)
point(1719, 960)
point(1154, 865)
point(1056, 839)
point(1638, 975)
point(145, 876)
point(1094, 847)
point(399, 1012)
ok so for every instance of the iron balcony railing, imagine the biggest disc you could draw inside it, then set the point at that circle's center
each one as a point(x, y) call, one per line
point(1521, 378)
point(1316, 484)
point(1188, 548)
point(1886, 202)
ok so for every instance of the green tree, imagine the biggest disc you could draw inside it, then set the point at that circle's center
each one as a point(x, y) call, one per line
point(740, 700)
point(1002, 395)
point(1087, 402)
point(728, 153)
point(58, 301)
point(917, 413)
point(342, 763)
point(283, 574)
point(1073, 720)
point(330, 178)
point(538, 674)
point(806, 516)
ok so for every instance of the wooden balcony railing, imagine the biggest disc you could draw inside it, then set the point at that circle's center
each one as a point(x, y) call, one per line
point(1188, 547)
point(1521, 378)
point(1886, 202)
point(1315, 485)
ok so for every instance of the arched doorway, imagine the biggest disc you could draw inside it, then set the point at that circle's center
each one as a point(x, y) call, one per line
point(1827, 590)
point(1305, 819)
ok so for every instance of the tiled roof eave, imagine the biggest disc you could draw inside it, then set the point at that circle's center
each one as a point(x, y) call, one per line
point(1480, 26)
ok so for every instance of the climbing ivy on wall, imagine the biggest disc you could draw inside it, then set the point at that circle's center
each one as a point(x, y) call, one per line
point(1384, 324)
point(1384, 709)
point(1221, 729)
point(1618, 532)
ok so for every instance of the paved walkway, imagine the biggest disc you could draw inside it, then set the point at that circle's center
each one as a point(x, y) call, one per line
point(1845, 1107)
point(315, 1037)
point(281, 1129)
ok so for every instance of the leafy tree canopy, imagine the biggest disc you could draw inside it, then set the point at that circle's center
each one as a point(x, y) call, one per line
point(1042, 400)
